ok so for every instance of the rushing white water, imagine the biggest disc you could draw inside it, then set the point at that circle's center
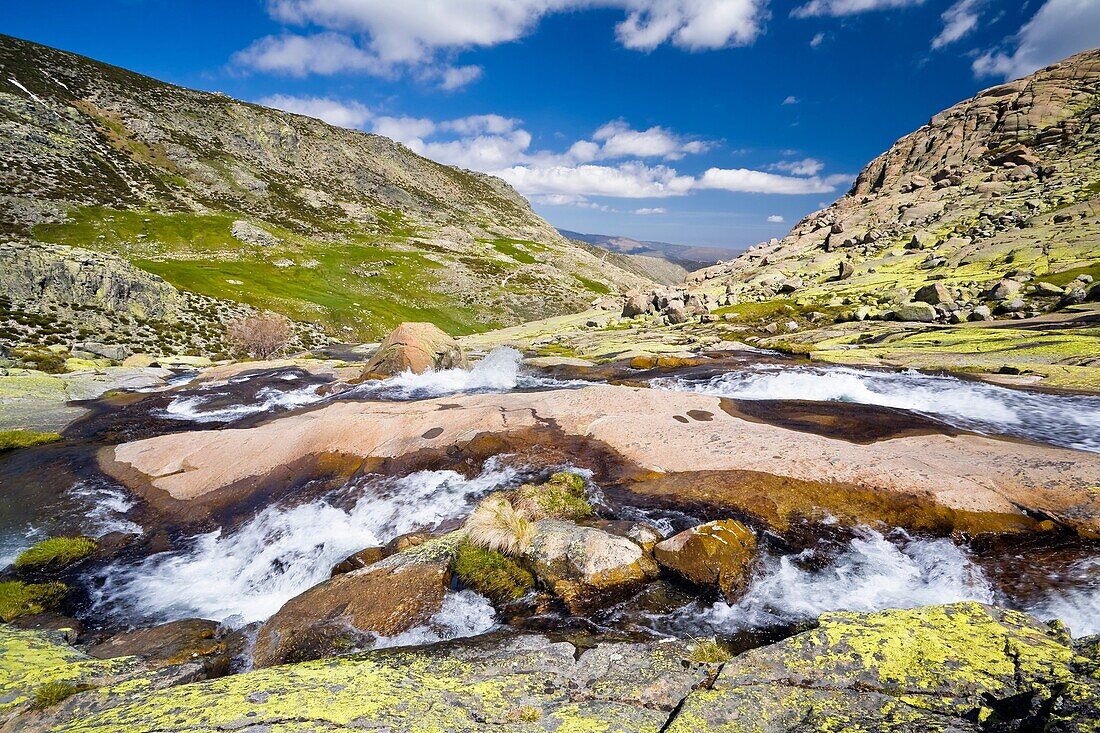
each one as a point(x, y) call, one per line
point(195, 407)
point(464, 613)
point(1077, 603)
point(871, 574)
point(1068, 421)
point(247, 574)
point(500, 371)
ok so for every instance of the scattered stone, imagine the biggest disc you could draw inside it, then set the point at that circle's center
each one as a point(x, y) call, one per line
point(1004, 289)
point(1048, 289)
point(919, 312)
point(846, 270)
point(934, 294)
point(249, 233)
point(714, 554)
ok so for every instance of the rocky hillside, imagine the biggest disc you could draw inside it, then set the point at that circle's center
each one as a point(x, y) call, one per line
point(991, 209)
point(255, 206)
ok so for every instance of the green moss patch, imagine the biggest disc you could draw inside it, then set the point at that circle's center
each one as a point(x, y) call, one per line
point(492, 574)
point(561, 497)
point(12, 439)
point(22, 599)
point(52, 693)
point(55, 553)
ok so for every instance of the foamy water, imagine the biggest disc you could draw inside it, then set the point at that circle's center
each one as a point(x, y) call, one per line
point(196, 407)
point(1067, 421)
point(245, 575)
point(500, 371)
point(464, 613)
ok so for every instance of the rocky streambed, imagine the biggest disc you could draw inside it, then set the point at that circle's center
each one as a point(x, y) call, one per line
point(728, 542)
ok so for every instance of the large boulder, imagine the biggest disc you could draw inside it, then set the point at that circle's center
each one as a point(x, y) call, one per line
point(586, 567)
point(961, 667)
point(416, 347)
point(351, 609)
point(920, 312)
point(716, 554)
point(934, 294)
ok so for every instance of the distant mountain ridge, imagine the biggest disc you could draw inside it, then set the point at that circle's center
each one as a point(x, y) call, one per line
point(238, 202)
point(690, 257)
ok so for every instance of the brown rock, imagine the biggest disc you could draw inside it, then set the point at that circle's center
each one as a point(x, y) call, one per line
point(361, 559)
point(347, 611)
point(416, 347)
point(845, 270)
point(714, 554)
point(176, 642)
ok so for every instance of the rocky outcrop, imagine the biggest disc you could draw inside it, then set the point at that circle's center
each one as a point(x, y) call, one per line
point(716, 554)
point(353, 608)
point(416, 347)
point(586, 567)
point(189, 640)
point(964, 667)
point(685, 449)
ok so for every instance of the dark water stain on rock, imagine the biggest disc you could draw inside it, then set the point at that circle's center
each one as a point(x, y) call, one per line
point(701, 415)
point(680, 418)
point(855, 423)
point(432, 433)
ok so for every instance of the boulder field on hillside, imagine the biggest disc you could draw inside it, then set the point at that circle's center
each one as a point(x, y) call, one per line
point(663, 448)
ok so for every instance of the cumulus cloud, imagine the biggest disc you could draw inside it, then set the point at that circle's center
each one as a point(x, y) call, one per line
point(775, 219)
point(651, 210)
point(332, 111)
point(804, 167)
point(379, 36)
point(1059, 29)
point(840, 8)
point(958, 20)
point(631, 180)
point(744, 180)
point(618, 140)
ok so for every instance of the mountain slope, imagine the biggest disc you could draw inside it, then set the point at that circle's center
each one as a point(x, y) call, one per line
point(688, 256)
point(1004, 185)
point(243, 203)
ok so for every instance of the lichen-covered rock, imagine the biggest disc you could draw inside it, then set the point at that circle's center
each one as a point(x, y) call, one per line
point(586, 567)
point(961, 667)
point(416, 347)
point(350, 610)
point(508, 684)
point(716, 554)
point(561, 497)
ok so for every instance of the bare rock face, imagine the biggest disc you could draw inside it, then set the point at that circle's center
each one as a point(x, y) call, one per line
point(416, 347)
point(716, 554)
point(350, 609)
point(176, 642)
point(587, 567)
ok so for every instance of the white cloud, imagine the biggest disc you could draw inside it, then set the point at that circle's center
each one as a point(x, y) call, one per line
point(804, 167)
point(332, 111)
point(378, 36)
point(403, 129)
point(958, 20)
point(775, 219)
point(839, 8)
point(743, 180)
point(817, 40)
point(791, 100)
point(626, 180)
point(456, 77)
point(322, 53)
point(620, 141)
point(651, 210)
point(1059, 29)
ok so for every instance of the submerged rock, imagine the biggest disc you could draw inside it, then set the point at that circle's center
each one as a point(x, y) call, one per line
point(349, 610)
point(416, 347)
point(714, 554)
point(586, 567)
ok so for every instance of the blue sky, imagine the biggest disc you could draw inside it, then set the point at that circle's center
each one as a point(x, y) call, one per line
point(718, 122)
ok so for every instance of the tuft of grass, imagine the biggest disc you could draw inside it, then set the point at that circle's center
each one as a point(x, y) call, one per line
point(562, 497)
point(497, 525)
point(55, 553)
point(52, 693)
point(12, 439)
point(23, 599)
point(524, 714)
point(709, 651)
point(492, 574)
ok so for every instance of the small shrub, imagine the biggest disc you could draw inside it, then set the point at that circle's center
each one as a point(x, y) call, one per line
point(22, 599)
point(56, 553)
point(496, 525)
point(52, 693)
point(524, 714)
point(260, 336)
point(562, 497)
point(492, 574)
point(709, 651)
point(44, 360)
point(11, 439)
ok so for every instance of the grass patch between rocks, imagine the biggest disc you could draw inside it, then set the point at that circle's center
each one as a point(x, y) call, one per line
point(55, 553)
